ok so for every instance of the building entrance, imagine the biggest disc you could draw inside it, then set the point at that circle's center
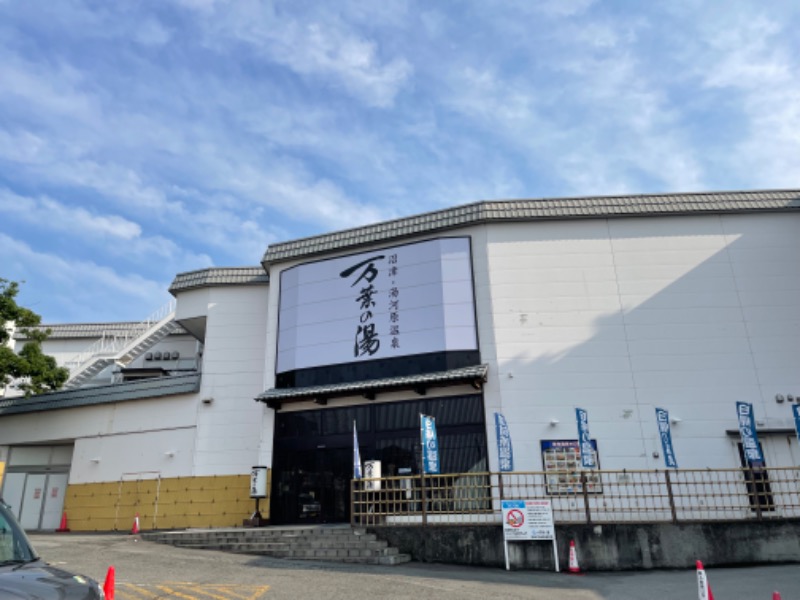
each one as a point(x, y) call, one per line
point(35, 484)
point(313, 451)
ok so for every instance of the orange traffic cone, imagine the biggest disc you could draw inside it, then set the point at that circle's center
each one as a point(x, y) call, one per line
point(63, 527)
point(108, 586)
point(573, 558)
point(703, 587)
point(135, 529)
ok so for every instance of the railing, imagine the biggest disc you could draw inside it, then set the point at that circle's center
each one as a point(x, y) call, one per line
point(581, 497)
point(111, 344)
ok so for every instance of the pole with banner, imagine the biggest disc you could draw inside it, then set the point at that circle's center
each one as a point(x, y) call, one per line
point(662, 420)
point(505, 453)
point(430, 446)
point(796, 411)
point(747, 429)
point(357, 473)
point(584, 439)
point(430, 457)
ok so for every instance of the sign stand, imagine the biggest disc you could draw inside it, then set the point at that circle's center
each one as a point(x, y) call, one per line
point(525, 520)
point(258, 490)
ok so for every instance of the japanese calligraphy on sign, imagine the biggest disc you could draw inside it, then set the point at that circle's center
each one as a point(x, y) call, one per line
point(747, 429)
point(394, 301)
point(505, 454)
point(258, 482)
point(662, 420)
point(366, 338)
point(361, 307)
point(430, 445)
point(584, 440)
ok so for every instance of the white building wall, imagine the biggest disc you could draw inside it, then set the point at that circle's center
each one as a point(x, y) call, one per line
point(229, 427)
point(147, 455)
point(134, 435)
point(690, 314)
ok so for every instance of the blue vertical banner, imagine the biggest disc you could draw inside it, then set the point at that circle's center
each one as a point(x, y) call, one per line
point(505, 454)
point(662, 420)
point(584, 440)
point(747, 428)
point(357, 474)
point(796, 411)
point(430, 445)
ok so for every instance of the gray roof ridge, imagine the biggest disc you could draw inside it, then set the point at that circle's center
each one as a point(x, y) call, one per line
point(551, 208)
point(143, 389)
point(219, 276)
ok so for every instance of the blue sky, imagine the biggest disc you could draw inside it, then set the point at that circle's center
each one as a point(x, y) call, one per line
point(142, 139)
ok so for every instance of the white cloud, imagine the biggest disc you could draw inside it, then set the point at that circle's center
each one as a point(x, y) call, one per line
point(750, 60)
point(601, 125)
point(319, 49)
point(746, 57)
point(53, 91)
point(563, 8)
point(321, 45)
point(51, 214)
point(152, 33)
point(79, 286)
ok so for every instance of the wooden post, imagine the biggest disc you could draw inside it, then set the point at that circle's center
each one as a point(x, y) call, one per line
point(586, 498)
point(670, 496)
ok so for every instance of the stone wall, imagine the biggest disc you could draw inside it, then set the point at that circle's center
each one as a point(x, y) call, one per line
point(607, 547)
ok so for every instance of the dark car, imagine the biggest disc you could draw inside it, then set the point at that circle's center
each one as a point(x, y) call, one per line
point(23, 575)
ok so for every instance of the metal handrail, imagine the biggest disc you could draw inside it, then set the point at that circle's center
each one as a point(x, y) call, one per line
point(110, 345)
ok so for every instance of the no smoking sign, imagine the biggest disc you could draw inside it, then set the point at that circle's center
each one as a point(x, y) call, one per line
point(515, 518)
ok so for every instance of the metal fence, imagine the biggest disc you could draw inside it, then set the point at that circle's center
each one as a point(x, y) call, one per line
point(596, 496)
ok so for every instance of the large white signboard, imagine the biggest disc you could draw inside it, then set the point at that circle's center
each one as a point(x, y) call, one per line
point(528, 520)
point(410, 299)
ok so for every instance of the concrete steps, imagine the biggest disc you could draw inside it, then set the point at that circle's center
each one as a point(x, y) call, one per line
point(336, 543)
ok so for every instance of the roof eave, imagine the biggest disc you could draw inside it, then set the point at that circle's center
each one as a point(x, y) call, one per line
point(475, 376)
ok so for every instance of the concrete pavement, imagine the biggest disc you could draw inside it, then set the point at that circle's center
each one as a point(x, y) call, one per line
point(145, 570)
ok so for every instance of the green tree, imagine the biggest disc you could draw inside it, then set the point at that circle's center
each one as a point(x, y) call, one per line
point(31, 371)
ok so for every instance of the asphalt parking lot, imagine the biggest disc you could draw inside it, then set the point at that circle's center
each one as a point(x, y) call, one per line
point(145, 570)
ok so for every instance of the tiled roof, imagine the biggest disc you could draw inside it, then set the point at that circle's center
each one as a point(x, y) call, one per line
point(276, 396)
point(90, 330)
point(592, 207)
point(219, 276)
point(103, 394)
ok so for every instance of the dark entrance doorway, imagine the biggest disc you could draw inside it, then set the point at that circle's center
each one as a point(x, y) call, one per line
point(756, 478)
point(313, 451)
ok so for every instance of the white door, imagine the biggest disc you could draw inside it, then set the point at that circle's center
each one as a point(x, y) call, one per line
point(54, 500)
point(32, 501)
point(13, 488)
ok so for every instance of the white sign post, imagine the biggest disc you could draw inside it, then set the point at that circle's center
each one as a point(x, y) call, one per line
point(525, 520)
point(258, 490)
